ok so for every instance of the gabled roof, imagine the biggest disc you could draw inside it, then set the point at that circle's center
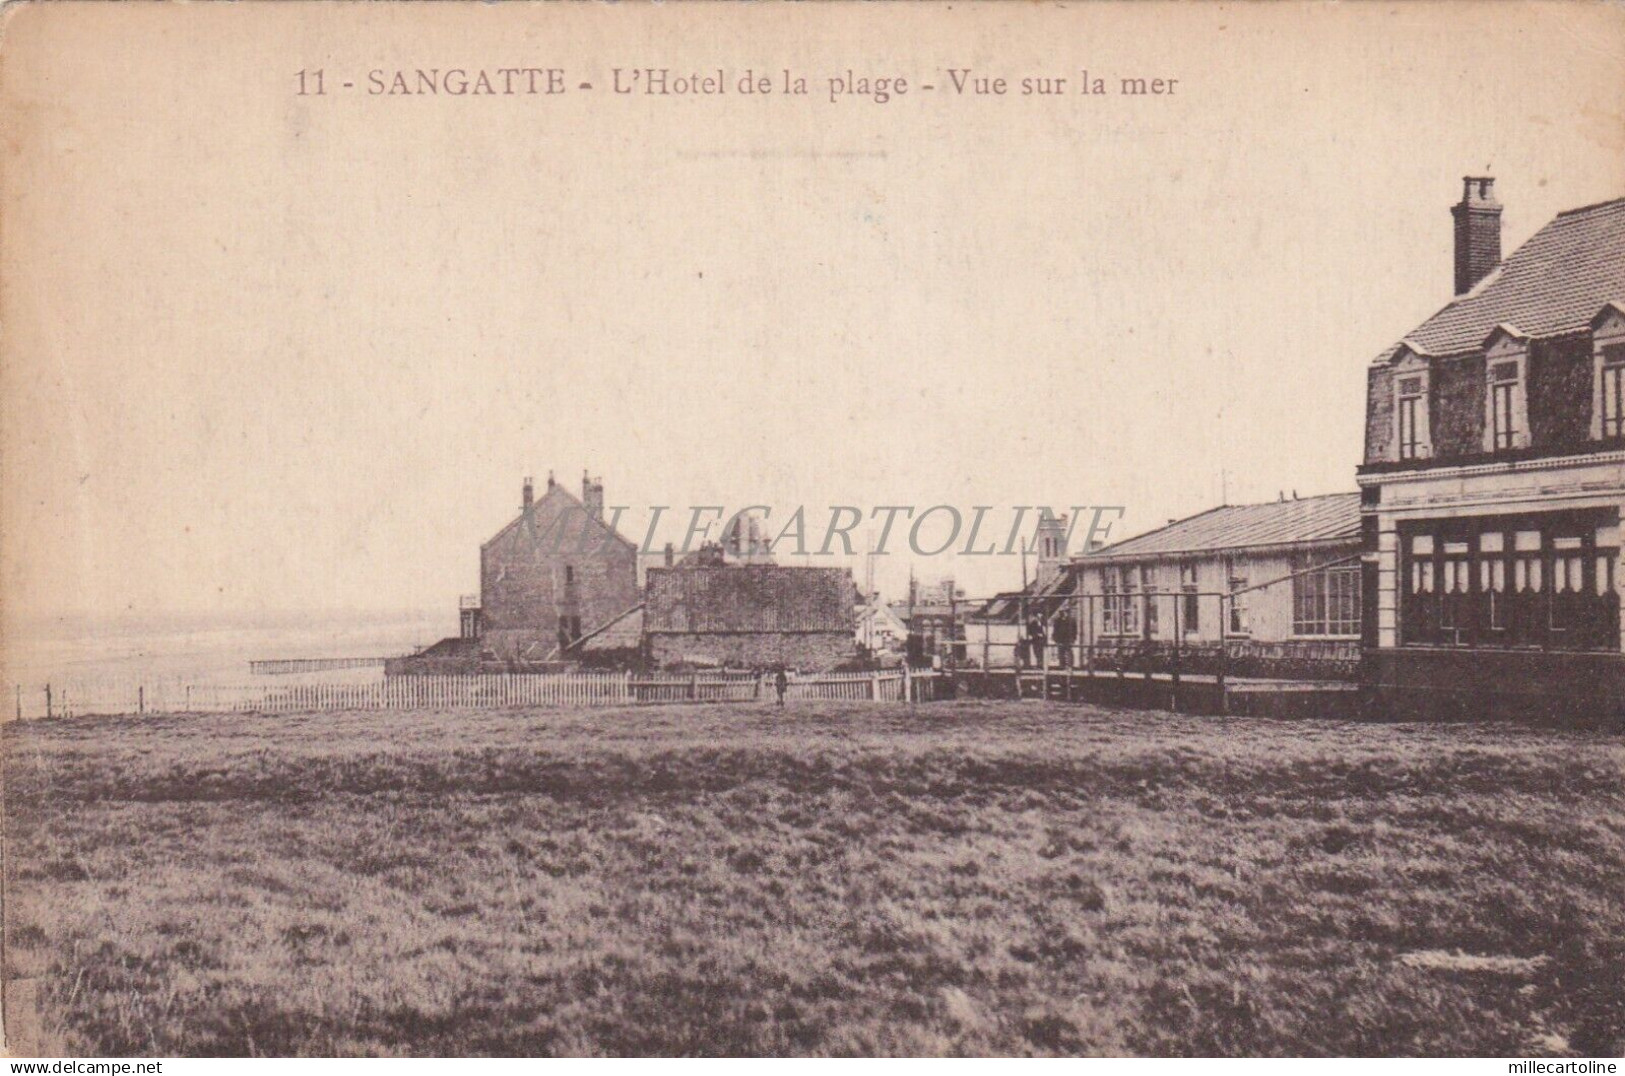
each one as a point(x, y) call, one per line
point(1555, 283)
point(551, 504)
point(1333, 517)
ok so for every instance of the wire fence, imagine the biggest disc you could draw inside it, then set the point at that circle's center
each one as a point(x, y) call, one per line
point(573, 689)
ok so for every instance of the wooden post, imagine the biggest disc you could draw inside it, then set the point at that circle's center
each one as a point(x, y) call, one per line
point(908, 685)
point(1177, 652)
point(874, 687)
point(19, 702)
point(1089, 644)
point(1224, 659)
point(141, 699)
point(694, 685)
point(47, 700)
point(1069, 663)
point(987, 656)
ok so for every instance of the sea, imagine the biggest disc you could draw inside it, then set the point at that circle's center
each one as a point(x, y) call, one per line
point(80, 655)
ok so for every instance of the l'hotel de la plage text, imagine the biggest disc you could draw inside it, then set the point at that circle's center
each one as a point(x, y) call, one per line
point(831, 87)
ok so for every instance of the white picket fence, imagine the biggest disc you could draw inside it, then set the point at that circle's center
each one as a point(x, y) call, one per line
point(464, 692)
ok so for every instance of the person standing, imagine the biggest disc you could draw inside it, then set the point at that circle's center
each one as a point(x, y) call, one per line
point(1065, 630)
point(781, 684)
point(1037, 639)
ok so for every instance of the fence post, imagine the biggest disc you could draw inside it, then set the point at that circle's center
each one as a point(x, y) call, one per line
point(141, 699)
point(1224, 659)
point(908, 684)
point(694, 685)
point(47, 700)
point(1089, 640)
point(628, 687)
point(19, 702)
point(1178, 653)
point(874, 687)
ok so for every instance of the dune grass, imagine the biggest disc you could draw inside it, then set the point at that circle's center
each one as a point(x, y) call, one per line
point(962, 878)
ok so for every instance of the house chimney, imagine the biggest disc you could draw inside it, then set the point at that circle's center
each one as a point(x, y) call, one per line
point(1478, 232)
point(592, 496)
point(671, 554)
point(526, 496)
point(550, 482)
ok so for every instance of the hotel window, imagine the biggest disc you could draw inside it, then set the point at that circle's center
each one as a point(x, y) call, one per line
point(1455, 588)
point(1240, 624)
point(1549, 581)
point(1503, 405)
point(1190, 600)
point(1148, 584)
point(1613, 393)
point(1119, 615)
point(1568, 581)
point(1492, 579)
point(1108, 602)
point(1412, 407)
point(1422, 564)
point(1327, 601)
point(1130, 615)
point(1608, 577)
point(1608, 378)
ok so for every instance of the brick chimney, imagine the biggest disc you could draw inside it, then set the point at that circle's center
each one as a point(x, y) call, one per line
point(527, 496)
point(1478, 232)
point(592, 496)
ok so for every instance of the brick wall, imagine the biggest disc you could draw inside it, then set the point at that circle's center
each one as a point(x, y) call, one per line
point(1560, 391)
point(1457, 415)
point(530, 576)
point(1379, 415)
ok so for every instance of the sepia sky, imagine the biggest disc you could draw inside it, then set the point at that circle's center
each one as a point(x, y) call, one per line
point(270, 352)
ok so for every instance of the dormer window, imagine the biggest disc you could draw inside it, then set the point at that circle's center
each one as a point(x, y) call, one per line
point(1412, 408)
point(1611, 390)
point(1613, 394)
point(1506, 403)
point(1503, 388)
point(1608, 357)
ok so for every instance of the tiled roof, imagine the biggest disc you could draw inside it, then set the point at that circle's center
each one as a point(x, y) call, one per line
point(749, 598)
point(1333, 517)
point(1554, 283)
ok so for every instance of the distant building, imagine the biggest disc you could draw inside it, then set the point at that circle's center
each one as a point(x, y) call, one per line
point(877, 628)
point(1494, 477)
point(932, 613)
point(1287, 572)
point(703, 612)
point(991, 632)
point(1278, 583)
point(554, 575)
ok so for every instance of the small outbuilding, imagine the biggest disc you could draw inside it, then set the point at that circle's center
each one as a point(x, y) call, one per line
point(701, 613)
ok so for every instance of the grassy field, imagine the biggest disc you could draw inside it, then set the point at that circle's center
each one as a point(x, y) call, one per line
point(965, 878)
